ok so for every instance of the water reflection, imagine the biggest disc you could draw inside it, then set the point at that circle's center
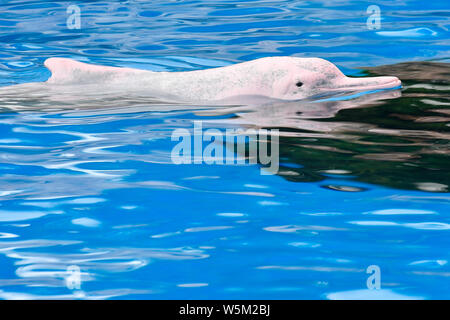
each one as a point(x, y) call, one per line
point(381, 138)
point(378, 136)
point(95, 187)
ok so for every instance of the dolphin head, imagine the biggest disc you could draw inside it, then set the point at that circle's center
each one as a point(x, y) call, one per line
point(294, 78)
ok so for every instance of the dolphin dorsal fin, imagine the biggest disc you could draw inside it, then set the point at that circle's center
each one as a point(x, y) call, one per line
point(68, 71)
point(65, 70)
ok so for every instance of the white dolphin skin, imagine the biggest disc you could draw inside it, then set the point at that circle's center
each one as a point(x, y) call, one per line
point(283, 78)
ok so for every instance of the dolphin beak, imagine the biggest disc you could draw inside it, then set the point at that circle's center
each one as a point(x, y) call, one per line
point(372, 83)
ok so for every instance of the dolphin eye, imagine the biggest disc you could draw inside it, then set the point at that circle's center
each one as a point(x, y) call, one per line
point(299, 84)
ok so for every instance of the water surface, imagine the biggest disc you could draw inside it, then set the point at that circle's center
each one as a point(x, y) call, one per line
point(90, 182)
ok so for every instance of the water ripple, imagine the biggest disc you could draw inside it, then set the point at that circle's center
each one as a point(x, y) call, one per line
point(87, 179)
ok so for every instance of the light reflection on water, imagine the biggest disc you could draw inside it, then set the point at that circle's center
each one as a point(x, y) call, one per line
point(362, 181)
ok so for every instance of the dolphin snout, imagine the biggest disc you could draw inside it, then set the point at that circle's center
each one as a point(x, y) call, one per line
point(372, 83)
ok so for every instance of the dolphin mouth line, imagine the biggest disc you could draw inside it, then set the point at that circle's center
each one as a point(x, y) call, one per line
point(355, 94)
point(346, 92)
point(391, 84)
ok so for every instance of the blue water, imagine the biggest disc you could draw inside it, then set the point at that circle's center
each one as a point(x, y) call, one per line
point(96, 188)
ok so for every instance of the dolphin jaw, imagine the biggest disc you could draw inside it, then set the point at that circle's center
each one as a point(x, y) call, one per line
point(372, 83)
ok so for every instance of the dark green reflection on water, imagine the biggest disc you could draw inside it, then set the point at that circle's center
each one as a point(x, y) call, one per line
point(401, 143)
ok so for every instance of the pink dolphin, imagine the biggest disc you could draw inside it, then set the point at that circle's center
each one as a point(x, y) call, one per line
point(281, 78)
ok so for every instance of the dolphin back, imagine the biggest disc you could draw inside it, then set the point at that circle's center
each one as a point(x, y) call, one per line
point(68, 71)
